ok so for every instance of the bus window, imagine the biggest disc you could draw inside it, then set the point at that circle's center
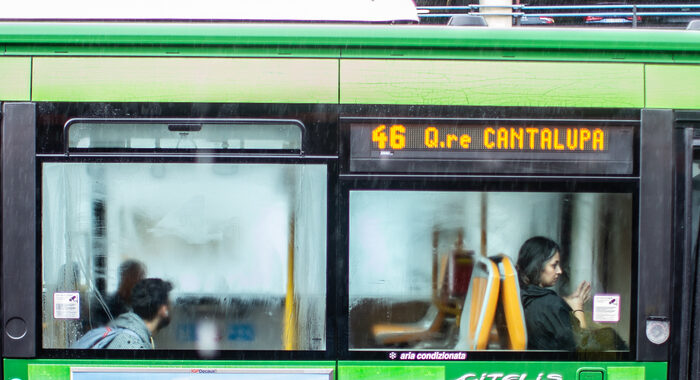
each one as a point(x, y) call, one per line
point(430, 270)
point(242, 245)
point(157, 134)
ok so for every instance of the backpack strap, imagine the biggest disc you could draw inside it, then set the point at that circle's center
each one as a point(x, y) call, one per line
point(111, 334)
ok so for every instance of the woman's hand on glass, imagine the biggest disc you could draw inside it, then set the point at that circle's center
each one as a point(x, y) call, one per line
point(580, 296)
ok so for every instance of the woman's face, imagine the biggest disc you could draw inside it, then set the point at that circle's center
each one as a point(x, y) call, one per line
point(550, 272)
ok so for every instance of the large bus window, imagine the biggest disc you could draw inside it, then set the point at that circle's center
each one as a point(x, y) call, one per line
point(441, 270)
point(243, 245)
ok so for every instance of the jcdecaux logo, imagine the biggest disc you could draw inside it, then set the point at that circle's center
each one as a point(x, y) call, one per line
point(199, 370)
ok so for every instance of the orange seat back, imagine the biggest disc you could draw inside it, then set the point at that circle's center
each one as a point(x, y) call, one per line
point(512, 306)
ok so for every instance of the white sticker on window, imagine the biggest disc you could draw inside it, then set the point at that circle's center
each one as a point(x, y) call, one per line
point(606, 308)
point(66, 305)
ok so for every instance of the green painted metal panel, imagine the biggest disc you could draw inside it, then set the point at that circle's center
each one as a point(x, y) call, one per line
point(245, 80)
point(686, 57)
point(59, 369)
point(498, 370)
point(591, 375)
point(626, 373)
point(201, 34)
point(655, 371)
point(15, 369)
point(491, 83)
point(48, 371)
point(173, 51)
point(676, 86)
point(15, 78)
point(368, 372)
point(511, 54)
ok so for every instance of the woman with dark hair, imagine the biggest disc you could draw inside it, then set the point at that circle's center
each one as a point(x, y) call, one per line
point(550, 319)
point(130, 273)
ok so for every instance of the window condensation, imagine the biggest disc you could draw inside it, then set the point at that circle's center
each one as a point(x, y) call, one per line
point(184, 135)
point(226, 235)
point(393, 235)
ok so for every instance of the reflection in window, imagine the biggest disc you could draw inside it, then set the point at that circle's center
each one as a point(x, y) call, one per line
point(242, 244)
point(233, 135)
point(436, 270)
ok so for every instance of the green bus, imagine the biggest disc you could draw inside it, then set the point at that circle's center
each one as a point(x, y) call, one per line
point(350, 201)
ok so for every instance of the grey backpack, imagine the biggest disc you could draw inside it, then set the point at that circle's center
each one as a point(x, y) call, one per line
point(101, 337)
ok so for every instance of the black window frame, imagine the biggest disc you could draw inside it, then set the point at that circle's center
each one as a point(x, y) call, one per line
point(184, 122)
point(36, 130)
point(627, 185)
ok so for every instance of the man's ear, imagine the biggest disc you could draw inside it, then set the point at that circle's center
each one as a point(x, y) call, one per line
point(163, 311)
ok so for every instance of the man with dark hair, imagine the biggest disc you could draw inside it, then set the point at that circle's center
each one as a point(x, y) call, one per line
point(151, 312)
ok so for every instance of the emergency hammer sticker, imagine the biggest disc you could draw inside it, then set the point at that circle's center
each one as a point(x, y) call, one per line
point(66, 305)
point(606, 308)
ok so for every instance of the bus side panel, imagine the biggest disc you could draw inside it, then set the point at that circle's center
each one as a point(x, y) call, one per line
point(675, 86)
point(499, 370)
point(248, 80)
point(59, 369)
point(15, 78)
point(491, 83)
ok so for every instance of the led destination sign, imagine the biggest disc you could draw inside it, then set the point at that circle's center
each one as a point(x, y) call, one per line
point(491, 146)
point(508, 138)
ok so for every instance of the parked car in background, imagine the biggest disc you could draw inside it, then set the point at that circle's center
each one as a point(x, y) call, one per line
point(534, 20)
point(609, 14)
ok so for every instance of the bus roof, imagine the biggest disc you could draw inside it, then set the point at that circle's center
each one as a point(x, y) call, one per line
point(424, 38)
point(213, 10)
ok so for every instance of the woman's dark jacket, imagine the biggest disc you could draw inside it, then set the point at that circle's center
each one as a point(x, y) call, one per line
point(548, 318)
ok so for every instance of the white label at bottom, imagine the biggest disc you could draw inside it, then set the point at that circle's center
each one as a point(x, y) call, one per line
point(606, 308)
point(66, 305)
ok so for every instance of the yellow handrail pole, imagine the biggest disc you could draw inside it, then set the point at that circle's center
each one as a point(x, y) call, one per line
point(290, 338)
point(435, 264)
point(484, 223)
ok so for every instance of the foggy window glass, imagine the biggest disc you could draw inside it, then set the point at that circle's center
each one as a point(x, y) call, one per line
point(243, 245)
point(437, 270)
point(184, 135)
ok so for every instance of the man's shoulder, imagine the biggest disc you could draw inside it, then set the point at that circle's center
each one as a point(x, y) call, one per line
point(128, 339)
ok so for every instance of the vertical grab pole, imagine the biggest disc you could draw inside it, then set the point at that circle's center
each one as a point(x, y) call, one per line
point(290, 304)
point(436, 234)
point(484, 224)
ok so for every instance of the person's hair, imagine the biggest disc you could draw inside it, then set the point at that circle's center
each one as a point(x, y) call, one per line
point(533, 255)
point(130, 272)
point(148, 296)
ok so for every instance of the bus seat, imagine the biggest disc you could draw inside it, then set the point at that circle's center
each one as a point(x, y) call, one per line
point(454, 274)
point(480, 305)
point(511, 305)
point(396, 333)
